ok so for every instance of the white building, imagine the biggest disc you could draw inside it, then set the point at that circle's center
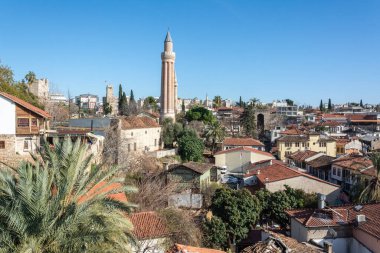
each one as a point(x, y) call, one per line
point(58, 98)
point(87, 101)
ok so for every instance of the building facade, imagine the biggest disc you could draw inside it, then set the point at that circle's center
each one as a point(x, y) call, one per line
point(40, 88)
point(111, 100)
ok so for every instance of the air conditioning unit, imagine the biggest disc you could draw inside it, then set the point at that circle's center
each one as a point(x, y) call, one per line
point(360, 218)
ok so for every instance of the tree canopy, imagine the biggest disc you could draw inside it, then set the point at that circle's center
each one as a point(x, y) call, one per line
point(190, 147)
point(199, 113)
point(61, 204)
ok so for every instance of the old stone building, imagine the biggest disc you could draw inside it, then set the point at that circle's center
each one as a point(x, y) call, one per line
point(111, 100)
point(21, 129)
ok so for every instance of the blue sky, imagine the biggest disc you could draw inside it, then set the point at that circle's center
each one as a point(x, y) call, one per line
point(303, 50)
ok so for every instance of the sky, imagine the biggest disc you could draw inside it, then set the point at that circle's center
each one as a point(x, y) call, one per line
point(268, 49)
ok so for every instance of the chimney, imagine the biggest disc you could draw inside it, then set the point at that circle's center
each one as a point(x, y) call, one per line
point(258, 172)
point(328, 247)
point(321, 201)
point(360, 218)
point(270, 162)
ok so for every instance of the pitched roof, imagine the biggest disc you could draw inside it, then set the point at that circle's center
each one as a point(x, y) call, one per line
point(278, 171)
point(330, 123)
point(133, 122)
point(253, 150)
point(99, 189)
point(277, 242)
point(179, 248)
point(353, 162)
point(242, 142)
point(26, 105)
point(293, 138)
point(168, 38)
point(321, 161)
point(340, 215)
point(148, 225)
point(194, 166)
point(301, 156)
point(292, 131)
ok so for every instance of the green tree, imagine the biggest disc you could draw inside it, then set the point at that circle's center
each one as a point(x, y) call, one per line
point(361, 103)
point(107, 108)
point(30, 77)
point(214, 233)
point(321, 107)
point(217, 101)
point(150, 103)
point(61, 204)
point(241, 104)
point(329, 105)
point(248, 122)
point(371, 192)
point(123, 104)
point(120, 97)
point(289, 102)
point(190, 147)
point(239, 211)
point(215, 133)
point(199, 113)
point(132, 104)
point(170, 132)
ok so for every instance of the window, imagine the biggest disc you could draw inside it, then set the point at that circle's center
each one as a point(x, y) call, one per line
point(288, 144)
point(155, 142)
point(288, 153)
point(339, 172)
point(23, 122)
point(334, 171)
point(34, 122)
point(2, 144)
point(146, 132)
point(322, 144)
point(131, 133)
point(26, 145)
point(303, 144)
point(135, 146)
point(129, 147)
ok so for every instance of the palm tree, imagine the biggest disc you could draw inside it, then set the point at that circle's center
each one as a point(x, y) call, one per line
point(215, 133)
point(62, 203)
point(30, 77)
point(371, 192)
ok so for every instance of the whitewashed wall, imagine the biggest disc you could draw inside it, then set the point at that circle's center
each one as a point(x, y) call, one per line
point(8, 116)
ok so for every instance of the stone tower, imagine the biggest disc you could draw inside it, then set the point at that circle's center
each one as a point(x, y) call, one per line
point(111, 100)
point(168, 81)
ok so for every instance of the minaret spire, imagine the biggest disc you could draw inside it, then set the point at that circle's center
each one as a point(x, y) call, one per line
point(168, 80)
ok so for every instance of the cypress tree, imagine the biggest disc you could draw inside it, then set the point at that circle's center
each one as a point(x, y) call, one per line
point(361, 103)
point(329, 105)
point(321, 106)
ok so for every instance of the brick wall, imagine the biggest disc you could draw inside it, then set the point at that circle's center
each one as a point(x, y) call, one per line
point(10, 148)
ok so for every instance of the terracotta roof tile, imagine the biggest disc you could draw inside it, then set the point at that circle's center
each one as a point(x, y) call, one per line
point(26, 105)
point(133, 122)
point(242, 142)
point(148, 225)
point(353, 162)
point(321, 161)
point(253, 150)
point(98, 189)
point(341, 215)
point(301, 156)
point(194, 166)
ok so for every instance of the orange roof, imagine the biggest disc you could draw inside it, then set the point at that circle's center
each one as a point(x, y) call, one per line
point(148, 225)
point(179, 248)
point(96, 190)
point(253, 150)
point(242, 142)
point(354, 162)
point(340, 215)
point(333, 116)
point(133, 122)
point(302, 155)
point(26, 105)
point(278, 171)
point(292, 131)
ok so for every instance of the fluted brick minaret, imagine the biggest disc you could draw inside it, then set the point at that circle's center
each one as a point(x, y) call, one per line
point(168, 80)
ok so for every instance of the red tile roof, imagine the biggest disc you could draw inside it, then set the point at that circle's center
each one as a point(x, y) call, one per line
point(279, 171)
point(148, 225)
point(253, 150)
point(179, 248)
point(292, 131)
point(99, 188)
point(353, 162)
point(331, 123)
point(26, 105)
point(242, 142)
point(301, 156)
point(133, 122)
point(340, 215)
